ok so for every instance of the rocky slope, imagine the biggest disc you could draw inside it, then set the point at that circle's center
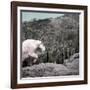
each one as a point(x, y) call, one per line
point(52, 69)
point(60, 36)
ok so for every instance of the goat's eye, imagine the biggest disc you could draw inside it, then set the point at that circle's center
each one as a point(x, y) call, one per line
point(38, 49)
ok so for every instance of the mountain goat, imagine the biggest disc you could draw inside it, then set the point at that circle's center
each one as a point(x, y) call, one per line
point(31, 49)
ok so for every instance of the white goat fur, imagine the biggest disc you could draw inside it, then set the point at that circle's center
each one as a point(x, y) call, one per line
point(29, 46)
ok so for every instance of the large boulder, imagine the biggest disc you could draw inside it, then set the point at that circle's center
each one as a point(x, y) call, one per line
point(45, 69)
point(73, 63)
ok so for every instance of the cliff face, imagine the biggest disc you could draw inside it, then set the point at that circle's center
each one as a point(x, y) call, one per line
point(60, 36)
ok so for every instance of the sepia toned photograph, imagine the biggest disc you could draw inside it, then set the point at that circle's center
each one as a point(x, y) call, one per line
point(48, 44)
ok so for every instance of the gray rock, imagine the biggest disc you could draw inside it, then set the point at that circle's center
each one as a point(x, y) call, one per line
point(45, 69)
